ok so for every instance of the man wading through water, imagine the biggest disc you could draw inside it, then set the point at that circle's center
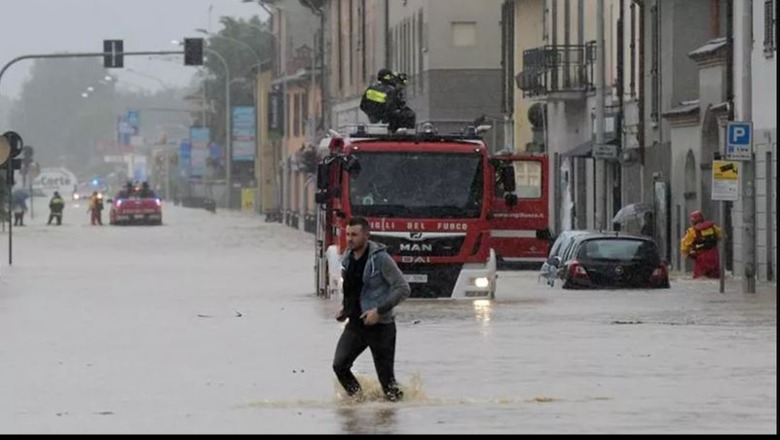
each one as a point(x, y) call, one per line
point(373, 286)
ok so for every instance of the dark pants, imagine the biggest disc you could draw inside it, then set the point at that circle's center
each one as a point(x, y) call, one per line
point(402, 118)
point(97, 217)
point(18, 219)
point(380, 338)
point(57, 216)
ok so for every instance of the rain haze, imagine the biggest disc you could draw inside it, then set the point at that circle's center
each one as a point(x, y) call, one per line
point(388, 217)
point(50, 26)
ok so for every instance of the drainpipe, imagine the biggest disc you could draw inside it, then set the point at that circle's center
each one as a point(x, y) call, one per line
point(641, 101)
point(749, 266)
point(567, 44)
point(714, 18)
point(621, 77)
point(581, 24)
point(387, 34)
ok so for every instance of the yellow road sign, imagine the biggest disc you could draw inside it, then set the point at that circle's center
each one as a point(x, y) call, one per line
point(725, 180)
point(725, 170)
point(248, 199)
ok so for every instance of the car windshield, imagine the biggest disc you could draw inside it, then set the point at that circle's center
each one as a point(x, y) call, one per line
point(622, 249)
point(417, 185)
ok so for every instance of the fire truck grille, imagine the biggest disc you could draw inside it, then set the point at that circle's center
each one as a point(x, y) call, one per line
point(428, 247)
point(439, 279)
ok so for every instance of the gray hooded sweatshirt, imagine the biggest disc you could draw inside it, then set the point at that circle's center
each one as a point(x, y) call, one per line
point(384, 286)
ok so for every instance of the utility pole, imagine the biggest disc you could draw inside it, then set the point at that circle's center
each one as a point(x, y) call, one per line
point(601, 164)
point(749, 166)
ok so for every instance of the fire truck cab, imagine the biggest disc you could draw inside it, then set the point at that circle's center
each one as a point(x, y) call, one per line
point(428, 198)
point(520, 233)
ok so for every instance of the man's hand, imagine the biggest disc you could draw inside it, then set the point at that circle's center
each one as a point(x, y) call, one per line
point(370, 317)
point(341, 316)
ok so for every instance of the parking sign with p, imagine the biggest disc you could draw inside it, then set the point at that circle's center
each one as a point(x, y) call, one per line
point(739, 141)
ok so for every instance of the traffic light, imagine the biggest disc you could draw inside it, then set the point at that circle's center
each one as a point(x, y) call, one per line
point(193, 51)
point(113, 53)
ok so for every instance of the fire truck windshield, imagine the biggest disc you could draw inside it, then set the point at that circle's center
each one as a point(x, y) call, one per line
point(417, 185)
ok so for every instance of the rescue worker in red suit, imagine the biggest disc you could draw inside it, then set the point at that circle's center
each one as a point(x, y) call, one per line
point(701, 244)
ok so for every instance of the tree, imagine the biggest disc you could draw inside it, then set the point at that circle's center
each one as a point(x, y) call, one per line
point(240, 61)
point(69, 130)
point(52, 114)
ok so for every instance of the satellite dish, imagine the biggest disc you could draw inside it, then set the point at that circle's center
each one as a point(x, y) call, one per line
point(629, 157)
point(5, 149)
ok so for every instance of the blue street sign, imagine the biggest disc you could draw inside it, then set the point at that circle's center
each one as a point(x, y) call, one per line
point(134, 119)
point(739, 141)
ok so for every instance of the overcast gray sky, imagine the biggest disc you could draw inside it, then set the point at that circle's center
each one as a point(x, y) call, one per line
point(44, 26)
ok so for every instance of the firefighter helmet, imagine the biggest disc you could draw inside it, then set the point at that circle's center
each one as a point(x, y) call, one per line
point(696, 217)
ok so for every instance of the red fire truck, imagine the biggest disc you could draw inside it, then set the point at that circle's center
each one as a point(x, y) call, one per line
point(520, 233)
point(428, 197)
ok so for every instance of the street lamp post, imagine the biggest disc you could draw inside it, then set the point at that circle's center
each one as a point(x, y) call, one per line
point(228, 145)
point(259, 62)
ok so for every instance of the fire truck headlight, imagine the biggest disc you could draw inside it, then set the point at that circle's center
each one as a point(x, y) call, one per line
point(481, 282)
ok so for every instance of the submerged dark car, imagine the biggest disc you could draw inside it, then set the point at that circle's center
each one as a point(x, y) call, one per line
point(612, 261)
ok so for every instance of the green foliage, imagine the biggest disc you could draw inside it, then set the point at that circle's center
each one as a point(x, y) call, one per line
point(240, 61)
point(69, 130)
point(51, 114)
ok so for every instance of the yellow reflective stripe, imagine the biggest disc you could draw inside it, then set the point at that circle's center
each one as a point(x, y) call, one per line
point(376, 96)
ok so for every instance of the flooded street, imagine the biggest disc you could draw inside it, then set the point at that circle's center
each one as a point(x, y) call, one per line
point(208, 324)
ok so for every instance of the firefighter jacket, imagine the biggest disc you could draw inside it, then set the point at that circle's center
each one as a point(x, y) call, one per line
point(701, 236)
point(378, 101)
point(56, 205)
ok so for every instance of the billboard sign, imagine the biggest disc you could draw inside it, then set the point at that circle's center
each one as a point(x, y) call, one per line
point(55, 179)
point(243, 133)
point(200, 138)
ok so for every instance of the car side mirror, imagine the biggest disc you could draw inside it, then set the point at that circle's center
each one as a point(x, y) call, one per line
point(510, 199)
point(554, 261)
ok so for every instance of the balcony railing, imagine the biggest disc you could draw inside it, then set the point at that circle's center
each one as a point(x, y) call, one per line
point(556, 69)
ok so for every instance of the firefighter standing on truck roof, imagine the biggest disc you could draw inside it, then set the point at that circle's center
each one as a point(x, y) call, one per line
point(701, 244)
point(384, 101)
